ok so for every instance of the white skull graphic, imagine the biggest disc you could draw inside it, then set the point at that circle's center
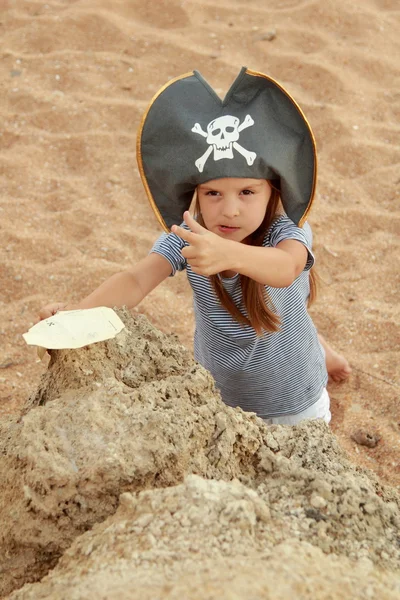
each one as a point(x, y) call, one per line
point(222, 136)
point(221, 133)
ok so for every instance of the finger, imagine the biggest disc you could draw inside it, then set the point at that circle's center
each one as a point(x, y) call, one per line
point(187, 236)
point(51, 309)
point(198, 270)
point(196, 264)
point(189, 252)
point(193, 224)
point(44, 313)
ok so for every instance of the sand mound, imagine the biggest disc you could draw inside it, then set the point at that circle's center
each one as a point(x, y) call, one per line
point(201, 540)
point(136, 415)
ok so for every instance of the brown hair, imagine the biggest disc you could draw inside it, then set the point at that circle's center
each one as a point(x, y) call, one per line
point(260, 310)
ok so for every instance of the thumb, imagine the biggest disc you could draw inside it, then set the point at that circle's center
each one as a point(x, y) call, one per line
point(193, 224)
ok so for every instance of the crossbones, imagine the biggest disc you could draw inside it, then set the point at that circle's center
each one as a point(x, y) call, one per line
point(222, 135)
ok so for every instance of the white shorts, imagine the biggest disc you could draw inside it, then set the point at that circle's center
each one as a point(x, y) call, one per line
point(319, 410)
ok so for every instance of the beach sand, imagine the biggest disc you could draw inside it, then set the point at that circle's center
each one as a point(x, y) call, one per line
point(76, 77)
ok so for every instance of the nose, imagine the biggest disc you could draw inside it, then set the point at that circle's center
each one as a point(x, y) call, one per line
point(230, 207)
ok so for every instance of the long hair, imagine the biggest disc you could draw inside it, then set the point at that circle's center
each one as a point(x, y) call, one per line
point(261, 313)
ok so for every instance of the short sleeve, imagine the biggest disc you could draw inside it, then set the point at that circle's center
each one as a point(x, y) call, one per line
point(285, 229)
point(169, 246)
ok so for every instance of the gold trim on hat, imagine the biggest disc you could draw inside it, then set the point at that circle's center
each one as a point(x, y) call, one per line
point(139, 150)
point(306, 212)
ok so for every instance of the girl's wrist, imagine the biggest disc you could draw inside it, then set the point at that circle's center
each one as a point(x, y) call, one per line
point(235, 256)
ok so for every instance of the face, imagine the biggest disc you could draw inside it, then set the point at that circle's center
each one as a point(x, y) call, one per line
point(233, 208)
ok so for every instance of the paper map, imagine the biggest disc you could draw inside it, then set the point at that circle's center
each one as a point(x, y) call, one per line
point(75, 328)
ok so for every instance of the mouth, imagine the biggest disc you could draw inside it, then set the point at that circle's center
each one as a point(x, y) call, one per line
point(227, 229)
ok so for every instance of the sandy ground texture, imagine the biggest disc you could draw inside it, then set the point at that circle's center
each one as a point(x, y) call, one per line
point(128, 474)
point(75, 78)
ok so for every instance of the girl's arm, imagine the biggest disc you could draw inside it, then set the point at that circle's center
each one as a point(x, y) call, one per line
point(209, 253)
point(126, 288)
point(276, 267)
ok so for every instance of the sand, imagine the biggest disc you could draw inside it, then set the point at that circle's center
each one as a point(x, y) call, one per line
point(75, 79)
point(126, 476)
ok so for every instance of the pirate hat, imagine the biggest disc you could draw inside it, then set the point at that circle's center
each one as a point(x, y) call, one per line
point(188, 136)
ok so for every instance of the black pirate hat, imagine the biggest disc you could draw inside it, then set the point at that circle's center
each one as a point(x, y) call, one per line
point(188, 136)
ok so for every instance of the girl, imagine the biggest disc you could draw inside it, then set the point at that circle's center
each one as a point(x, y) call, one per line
point(247, 253)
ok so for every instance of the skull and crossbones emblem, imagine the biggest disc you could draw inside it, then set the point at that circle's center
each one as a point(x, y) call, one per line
point(222, 135)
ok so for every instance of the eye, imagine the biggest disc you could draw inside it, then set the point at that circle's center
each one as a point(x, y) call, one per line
point(247, 192)
point(212, 193)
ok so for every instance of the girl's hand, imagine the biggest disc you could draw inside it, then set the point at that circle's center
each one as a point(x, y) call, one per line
point(207, 253)
point(51, 309)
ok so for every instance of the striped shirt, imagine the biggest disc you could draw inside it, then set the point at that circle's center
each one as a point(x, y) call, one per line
point(278, 373)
